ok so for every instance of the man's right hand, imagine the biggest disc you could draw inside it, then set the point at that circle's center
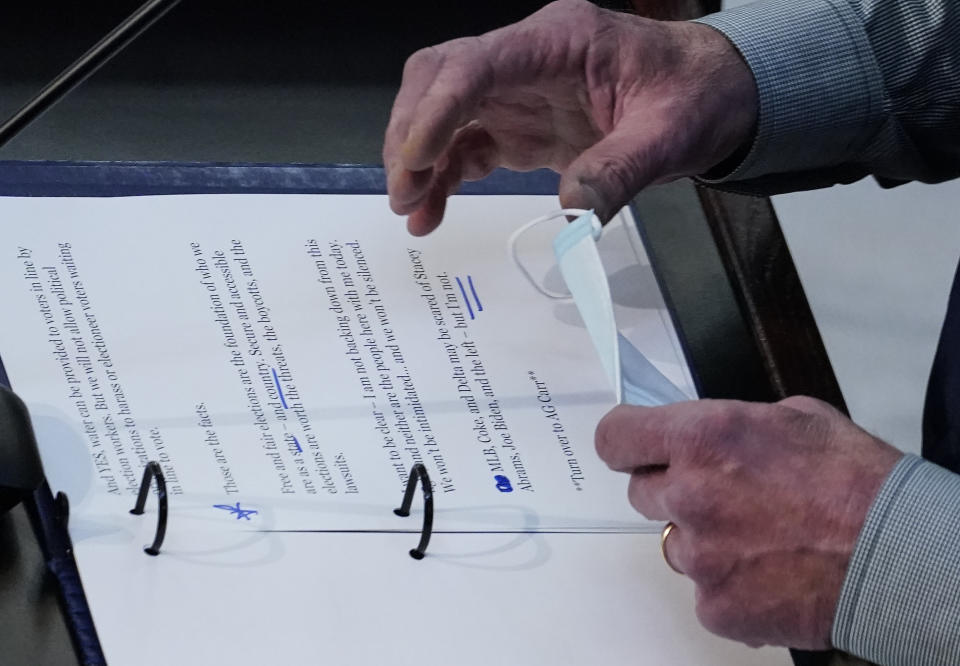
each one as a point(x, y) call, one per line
point(613, 102)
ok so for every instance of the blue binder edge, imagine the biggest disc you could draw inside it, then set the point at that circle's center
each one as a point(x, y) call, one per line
point(119, 179)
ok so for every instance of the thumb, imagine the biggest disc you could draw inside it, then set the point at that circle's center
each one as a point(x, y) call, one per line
point(609, 173)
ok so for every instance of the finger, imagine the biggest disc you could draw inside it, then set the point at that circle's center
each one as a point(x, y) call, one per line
point(408, 189)
point(472, 156)
point(428, 217)
point(645, 492)
point(609, 173)
point(419, 72)
point(472, 69)
point(630, 437)
point(474, 152)
point(449, 102)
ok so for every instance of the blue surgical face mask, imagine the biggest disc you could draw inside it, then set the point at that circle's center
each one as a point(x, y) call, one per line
point(635, 380)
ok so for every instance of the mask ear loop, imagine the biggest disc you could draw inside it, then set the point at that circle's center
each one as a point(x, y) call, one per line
point(596, 229)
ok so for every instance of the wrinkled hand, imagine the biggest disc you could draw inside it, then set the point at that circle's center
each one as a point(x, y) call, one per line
point(612, 101)
point(768, 500)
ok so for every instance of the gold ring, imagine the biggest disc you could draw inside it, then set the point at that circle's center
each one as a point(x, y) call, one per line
point(667, 529)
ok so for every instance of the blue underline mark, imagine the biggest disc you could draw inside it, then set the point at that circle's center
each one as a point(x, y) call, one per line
point(474, 292)
point(297, 442)
point(276, 380)
point(465, 299)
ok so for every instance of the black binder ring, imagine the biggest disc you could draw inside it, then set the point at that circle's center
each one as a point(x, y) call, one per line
point(153, 471)
point(419, 471)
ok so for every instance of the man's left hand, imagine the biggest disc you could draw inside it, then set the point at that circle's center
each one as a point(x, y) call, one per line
point(767, 499)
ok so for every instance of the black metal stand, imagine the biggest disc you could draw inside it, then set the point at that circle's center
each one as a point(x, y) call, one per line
point(115, 41)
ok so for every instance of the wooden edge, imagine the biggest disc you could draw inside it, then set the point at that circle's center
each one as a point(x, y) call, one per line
point(771, 297)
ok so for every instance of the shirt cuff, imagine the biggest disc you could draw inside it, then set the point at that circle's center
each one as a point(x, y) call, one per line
point(900, 601)
point(820, 89)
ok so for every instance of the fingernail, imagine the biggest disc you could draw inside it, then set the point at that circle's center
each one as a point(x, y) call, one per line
point(595, 201)
point(590, 197)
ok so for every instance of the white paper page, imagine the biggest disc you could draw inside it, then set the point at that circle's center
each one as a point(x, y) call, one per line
point(287, 358)
point(477, 599)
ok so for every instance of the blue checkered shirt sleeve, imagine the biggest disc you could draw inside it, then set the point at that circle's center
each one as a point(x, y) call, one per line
point(900, 601)
point(847, 88)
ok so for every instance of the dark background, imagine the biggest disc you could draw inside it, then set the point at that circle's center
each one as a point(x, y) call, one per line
point(219, 80)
